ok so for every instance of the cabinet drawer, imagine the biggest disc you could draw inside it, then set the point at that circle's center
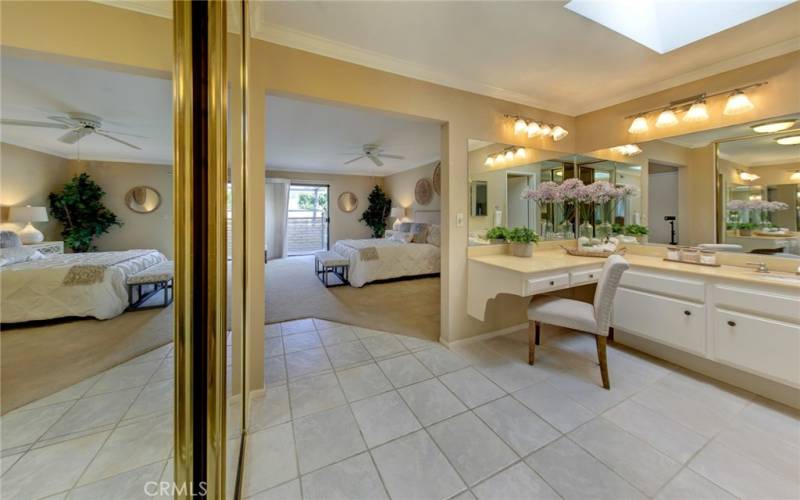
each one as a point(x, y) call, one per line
point(547, 283)
point(763, 303)
point(759, 345)
point(583, 277)
point(674, 322)
point(665, 285)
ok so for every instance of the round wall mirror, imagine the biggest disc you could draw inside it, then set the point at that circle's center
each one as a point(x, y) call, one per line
point(143, 199)
point(348, 202)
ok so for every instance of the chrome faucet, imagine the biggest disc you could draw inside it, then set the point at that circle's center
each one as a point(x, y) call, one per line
point(761, 267)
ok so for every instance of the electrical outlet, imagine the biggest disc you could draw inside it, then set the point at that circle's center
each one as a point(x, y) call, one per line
point(459, 220)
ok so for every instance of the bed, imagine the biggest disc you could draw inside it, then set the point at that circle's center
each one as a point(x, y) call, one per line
point(390, 259)
point(65, 285)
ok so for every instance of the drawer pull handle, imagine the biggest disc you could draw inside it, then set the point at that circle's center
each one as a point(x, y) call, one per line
point(552, 283)
point(687, 313)
point(731, 323)
point(591, 276)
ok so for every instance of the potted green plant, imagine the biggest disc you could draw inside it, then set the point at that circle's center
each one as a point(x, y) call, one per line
point(497, 235)
point(746, 228)
point(637, 231)
point(522, 240)
point(80, 210)
point(376, 213)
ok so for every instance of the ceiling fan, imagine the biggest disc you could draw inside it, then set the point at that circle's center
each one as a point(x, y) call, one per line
point(374, 153)
point(77, 125)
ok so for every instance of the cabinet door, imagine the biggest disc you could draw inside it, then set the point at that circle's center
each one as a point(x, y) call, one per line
point(673, 322)
point(759, 345)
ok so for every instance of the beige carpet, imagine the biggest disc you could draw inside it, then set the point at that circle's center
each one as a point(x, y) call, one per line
point(409, 307)
point(36, 361)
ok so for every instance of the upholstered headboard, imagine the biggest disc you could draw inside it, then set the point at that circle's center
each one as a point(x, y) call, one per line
point(428, 216)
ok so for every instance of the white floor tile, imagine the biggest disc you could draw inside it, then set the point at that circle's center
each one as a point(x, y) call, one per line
point(473, 449)
point(404, 370)
point(384, 417)
point(354, 478)
point(381, 346)
point(92, 412)
point(431, 401)
point(516, 482)
point(472, 388)
point(123, 377)
point(273, 330)
point(415, 343)
point(273, 346)
point(302, 363)
point(275, 370)
point(688, 484)
point(158, 397)
point(327, 437)
point(71, 393)
point(297, 326)
point(337, 335)
point(286, 491)
point(270, 459)
point(313, 394)
point(518, 426)
point(439, 360)
point(363, 382)
point(348, 354)
point(301, 342)
point(125, 486)
point(20, 428)
point(270, 408)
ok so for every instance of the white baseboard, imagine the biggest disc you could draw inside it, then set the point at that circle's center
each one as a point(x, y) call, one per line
point(485, 336)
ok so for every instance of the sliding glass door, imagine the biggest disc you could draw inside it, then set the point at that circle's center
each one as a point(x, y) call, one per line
point(308, 218)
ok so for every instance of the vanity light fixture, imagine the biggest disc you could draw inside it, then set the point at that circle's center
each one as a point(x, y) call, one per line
point(559, 133)
point(766, 128)
point(789, 140)
point(489, 161)
point(509, 155)
point(738, 103)
point(747, 176)
point(499, 159)
point(519, 126)
point(795, 177)
point(545, 130)
point(667, 118)
point(697, 112)
point(535, 128)
point(639, 125)
point(521, 153)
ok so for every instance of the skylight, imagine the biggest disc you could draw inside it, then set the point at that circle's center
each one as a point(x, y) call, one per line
point(665, 25)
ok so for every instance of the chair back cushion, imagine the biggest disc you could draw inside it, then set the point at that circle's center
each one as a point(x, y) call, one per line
point(606, 289)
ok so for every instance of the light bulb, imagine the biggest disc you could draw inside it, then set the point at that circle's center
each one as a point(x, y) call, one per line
point(489, 161)
point(738, 103)
point(545, 130)
point(533, 129)
point(559, 133)
point(697, 113)
point(789, 140)
point(521, 153)
point(499, 159)
point(667, 118)
point(520, 126)
point(795, 176)
point(509, 155)
point(638, 126)
point(766, 128)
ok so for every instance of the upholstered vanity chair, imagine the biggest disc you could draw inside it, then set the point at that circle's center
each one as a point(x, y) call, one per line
point(576, 315)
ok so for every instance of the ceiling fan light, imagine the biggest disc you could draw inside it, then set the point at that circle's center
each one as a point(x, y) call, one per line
point(667, 118)
point(738, 103)
point(638, 126)
point(697, 113)
point(789, 140)
point(509, 155)
point(520, 126)
point(559, 133)
point(766, 128)
point(489, 161)
point(545, 130)
point(795, 176)
point(521, 153)
point(533, 129)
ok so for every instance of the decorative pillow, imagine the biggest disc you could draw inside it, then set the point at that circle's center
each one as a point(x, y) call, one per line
point(9, 239)
point(388, 233)
point(404, 227)
point(402, 237)
point(420, 232)
point(16, 255)
point(435, 235)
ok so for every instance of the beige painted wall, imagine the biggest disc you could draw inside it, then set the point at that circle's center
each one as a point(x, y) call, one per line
point(153, 230)
point(400, 187)
point(343, 225)
point(26, 178)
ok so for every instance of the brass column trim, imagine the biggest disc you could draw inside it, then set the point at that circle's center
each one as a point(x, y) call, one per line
point(200, 173)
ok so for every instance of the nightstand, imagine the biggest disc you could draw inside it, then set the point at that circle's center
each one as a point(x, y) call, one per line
point(48, 247)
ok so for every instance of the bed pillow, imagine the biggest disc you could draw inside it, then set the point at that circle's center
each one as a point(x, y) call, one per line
point(402, 237)
point(420, 232)
point(404, 227)
point(9, 239)
point(388, 233)
point(16, 255)
point(435, 235)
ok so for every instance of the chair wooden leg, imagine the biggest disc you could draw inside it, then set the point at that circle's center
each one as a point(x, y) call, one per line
point(601, 356)
point(532, 326)
point(538, 328)
point(611, 334)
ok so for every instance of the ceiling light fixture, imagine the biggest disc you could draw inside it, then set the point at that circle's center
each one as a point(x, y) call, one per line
point(697, 113)
point(747, 176)
point(795, 176)
point(738, 103)
point(535, 128)
point(766, 128)
point(559, 133)
point(639, 125)
point(789, 140)
point(667, 118)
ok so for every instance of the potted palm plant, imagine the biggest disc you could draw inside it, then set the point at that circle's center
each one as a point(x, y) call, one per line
point(522, 240)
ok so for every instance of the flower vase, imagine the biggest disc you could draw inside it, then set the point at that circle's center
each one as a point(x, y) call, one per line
point(604, 229)
point(587, 230)
point(565, 230)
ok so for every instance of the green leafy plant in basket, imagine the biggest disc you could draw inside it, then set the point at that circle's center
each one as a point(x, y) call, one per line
point(80, 210)
point(522, 240)
point(497, 234)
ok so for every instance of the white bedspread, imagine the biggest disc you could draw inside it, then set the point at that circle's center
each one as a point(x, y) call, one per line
point(395, 259)
point(34, 290)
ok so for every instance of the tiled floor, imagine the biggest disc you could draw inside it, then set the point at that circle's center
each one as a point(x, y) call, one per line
point(356, 413)
point(350, 412)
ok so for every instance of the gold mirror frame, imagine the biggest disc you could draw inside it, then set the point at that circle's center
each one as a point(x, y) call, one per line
point(133, 195)
point(347, 202)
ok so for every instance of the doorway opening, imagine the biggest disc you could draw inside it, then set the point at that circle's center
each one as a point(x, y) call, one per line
point(662, 210)
point(308, 220)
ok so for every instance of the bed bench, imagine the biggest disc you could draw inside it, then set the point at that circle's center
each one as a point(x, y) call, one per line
point(159, 277)
point(326, 262)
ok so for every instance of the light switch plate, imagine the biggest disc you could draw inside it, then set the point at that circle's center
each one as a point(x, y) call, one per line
point(459, 220)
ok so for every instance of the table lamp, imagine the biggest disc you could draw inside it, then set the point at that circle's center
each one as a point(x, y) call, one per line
point(29, 214)
point(397, 213)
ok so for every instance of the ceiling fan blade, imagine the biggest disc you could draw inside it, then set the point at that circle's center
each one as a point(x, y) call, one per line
point(396, 157)
point(377, 161)
point(119, 133)
point(75, 135)
point(354, 159)
point(66, 121)
point(117, 140)
point(28, 123)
